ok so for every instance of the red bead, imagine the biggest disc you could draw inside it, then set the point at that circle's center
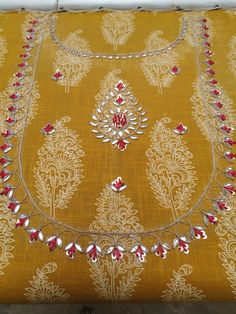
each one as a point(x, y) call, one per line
point(222, 117)
point(231, 173)
point(27, 47)
point(4, 174)
point(52, 244)
point(213, 82)
point(121, 144)
point(10, 121)
point(228, 141)
point(208, 53)
point(30, 30)
point(6, 134)
point(230, 156)
point(181, 129)
point(3, 161)
point(12, 108)
point(6, 190)
point(48, 129)
point(34, 235)
point(119, 100)
point(210, 72)
point(225, 129)
point(207, 44)
point(21, 221)
point(230, 189)
point(215, 92)
point(175, 70)
point(17, 84)
point(29, 38)
point(71, 252)
point(210, 62)
point(218, 105)
point(206, 35)
point(212, 219)
point(22, 65)
point(19, 75)
point(34, 22)
point(120, 86)
point(5, 147)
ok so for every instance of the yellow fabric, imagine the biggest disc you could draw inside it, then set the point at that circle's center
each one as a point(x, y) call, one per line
point(29, 272)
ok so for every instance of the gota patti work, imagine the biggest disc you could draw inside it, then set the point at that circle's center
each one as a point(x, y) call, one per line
point(117, 156)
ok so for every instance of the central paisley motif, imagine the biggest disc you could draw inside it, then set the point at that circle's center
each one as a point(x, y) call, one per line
point(118, 118)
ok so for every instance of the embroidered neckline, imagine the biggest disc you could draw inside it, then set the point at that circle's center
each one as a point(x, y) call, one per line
point(107, 56)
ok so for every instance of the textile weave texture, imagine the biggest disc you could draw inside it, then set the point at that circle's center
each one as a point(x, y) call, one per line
point(128, 160)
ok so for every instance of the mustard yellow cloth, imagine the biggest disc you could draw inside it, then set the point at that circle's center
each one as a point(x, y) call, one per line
point(63, 180)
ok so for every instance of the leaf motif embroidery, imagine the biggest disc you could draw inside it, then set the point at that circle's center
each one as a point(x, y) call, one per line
point(206, 124)
point(192, 19)
point(117, 27)
point(227, 237)
point(59, 168)
point(115, 281)
point(20, 115)
point(7, 224)
point(3, 48)
point(170, 171)
point(232, 55)
point(157, 68)
point(29, 16)
point(42, 290)
point(74, 68)
point(179, 290)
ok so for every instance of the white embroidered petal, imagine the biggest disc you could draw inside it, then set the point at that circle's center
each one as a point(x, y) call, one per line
point(109, 250)
point(59, 242)
point(98, 249)
point(40, 236)
point(133, 249)
point(175, 243)
point(78, 248)
point(89, 248)
point(68, 246)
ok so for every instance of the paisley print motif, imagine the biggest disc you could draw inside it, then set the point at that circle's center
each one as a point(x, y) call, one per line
point(170, 171)
point(157, 69)
point(178, 290)
point(73, 68)
point(42, 290)
point(113, 280)
point(3, 48)
point(232, 55)
point(59, 168)
point(7, 224)
point(227, 237)
point(117, 27)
